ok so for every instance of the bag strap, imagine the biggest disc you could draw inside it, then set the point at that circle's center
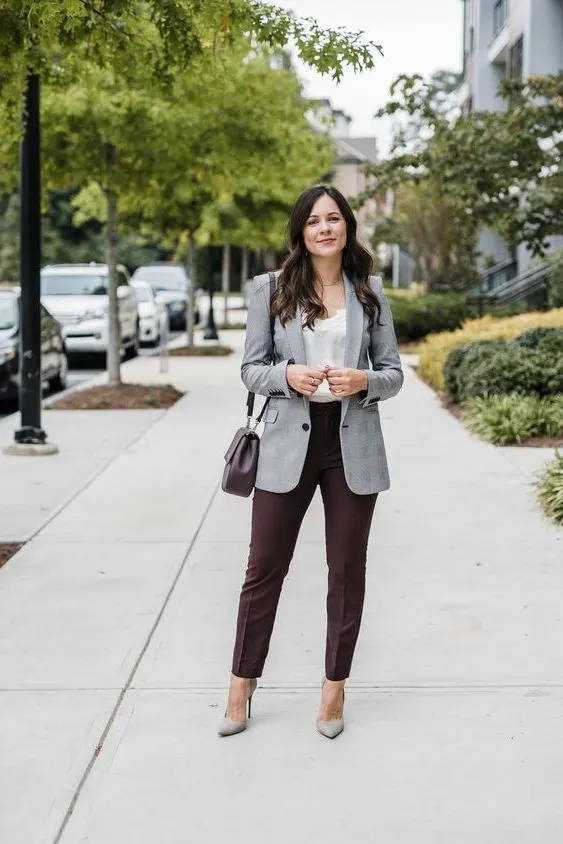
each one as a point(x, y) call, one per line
point(251, 396)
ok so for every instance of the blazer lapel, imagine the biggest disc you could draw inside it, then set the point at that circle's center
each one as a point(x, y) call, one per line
point(294, 333)
point(354, 326)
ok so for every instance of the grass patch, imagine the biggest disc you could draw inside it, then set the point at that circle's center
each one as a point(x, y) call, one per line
point(7, 550)
point(201, 351)
point(507, 419)
point(120, 397)
point(550, 490)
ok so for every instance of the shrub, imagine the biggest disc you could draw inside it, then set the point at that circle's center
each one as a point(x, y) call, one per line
point(451, 368)
point(435, 348)
point(462, 359)
point(556, 279)
point(416, 316)
point(512, 418)
point(544, 338)
point(550, 490)
point(554, 381)
point(509, 370)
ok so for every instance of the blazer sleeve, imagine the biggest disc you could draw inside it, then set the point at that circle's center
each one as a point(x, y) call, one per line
point(257, 372)
point(385, 378)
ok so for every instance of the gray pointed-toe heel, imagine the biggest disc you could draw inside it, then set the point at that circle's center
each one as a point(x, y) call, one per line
point(331, 729)
point(229, 727)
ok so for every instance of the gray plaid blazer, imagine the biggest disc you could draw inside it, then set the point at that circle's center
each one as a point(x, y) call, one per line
point(287, 421)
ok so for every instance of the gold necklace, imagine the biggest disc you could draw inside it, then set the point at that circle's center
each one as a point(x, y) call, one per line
point(332, 283)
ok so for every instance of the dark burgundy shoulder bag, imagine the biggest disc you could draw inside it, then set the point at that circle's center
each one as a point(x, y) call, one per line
point(241, 459)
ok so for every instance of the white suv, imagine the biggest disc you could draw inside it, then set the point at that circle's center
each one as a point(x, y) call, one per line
point(77, 296)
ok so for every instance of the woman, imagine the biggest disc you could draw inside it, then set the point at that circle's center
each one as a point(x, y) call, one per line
point(335, 357)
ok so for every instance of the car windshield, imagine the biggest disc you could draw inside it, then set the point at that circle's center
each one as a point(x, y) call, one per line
point(8, 313)
point(74, 285)
point(162, 278)
point(143, 294)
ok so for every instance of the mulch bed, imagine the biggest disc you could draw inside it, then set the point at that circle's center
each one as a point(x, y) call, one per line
point(531, 442)
point(120, 397)
point(7, 550)
point(201, 351)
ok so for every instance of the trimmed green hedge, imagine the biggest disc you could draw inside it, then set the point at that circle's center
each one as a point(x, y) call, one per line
point(461, 361)
point(531, 365)
point(512, 370)
point(416, 316)
point(544, 339)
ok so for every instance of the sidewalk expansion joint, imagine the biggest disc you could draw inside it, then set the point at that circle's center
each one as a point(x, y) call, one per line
point(86, 484)
point(353, 688)
point(113, 715)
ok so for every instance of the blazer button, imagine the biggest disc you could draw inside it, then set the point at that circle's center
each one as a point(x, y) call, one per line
point(305, 426)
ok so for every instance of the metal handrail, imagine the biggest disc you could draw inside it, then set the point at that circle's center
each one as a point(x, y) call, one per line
point(515, 288)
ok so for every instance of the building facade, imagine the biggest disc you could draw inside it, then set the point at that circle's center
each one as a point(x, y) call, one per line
point(507, 39)
point(352, 155)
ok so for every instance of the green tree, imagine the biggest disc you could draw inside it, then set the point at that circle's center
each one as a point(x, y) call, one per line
point(254, 148)
point(9, 238)
point(145, 43)
point(429, 227)
point(499, 169)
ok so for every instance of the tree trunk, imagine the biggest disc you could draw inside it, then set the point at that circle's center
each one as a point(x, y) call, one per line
point(192, 269)
point(226, 278)
point(114, 336)
point(244, 267)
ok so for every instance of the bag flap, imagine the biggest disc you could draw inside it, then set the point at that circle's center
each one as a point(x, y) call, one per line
point(238, 437)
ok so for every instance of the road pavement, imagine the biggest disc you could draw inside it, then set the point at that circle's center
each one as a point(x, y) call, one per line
point(84, 369)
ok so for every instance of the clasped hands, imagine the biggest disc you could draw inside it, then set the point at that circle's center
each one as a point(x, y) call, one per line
point(342, 382)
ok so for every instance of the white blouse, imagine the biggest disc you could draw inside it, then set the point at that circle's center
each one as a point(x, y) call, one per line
point(324, 345)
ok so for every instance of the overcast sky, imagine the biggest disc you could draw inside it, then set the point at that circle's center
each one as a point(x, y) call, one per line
point(417, 36)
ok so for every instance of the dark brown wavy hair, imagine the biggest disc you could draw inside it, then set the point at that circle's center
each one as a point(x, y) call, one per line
point(295, 285)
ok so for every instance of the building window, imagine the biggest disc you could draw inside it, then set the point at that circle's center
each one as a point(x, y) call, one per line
point(516, 63)
point(500, 13)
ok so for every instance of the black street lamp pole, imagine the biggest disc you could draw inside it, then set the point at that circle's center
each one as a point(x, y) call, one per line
point(30, 268)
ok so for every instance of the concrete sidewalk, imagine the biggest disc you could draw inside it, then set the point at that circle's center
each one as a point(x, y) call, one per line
point(116, 628)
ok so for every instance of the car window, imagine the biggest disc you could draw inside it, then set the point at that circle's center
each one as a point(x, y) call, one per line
point(8, 313)
point(74, 285)
point(163, 278)
point(122, 279)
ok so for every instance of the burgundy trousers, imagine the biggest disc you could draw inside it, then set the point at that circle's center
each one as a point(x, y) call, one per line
point(276, 521)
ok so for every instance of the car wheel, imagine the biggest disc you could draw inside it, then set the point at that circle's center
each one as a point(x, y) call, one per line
point(60, 380)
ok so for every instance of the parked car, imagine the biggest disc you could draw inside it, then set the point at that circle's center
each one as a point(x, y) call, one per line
point(170, 281)
point(153, 316)
point(77, 295)
point(54, 362)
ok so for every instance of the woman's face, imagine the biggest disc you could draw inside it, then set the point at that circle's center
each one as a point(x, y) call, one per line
point(325, 228)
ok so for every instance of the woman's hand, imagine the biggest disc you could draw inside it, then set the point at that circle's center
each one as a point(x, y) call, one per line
point(304, 379)
point(346, 382)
